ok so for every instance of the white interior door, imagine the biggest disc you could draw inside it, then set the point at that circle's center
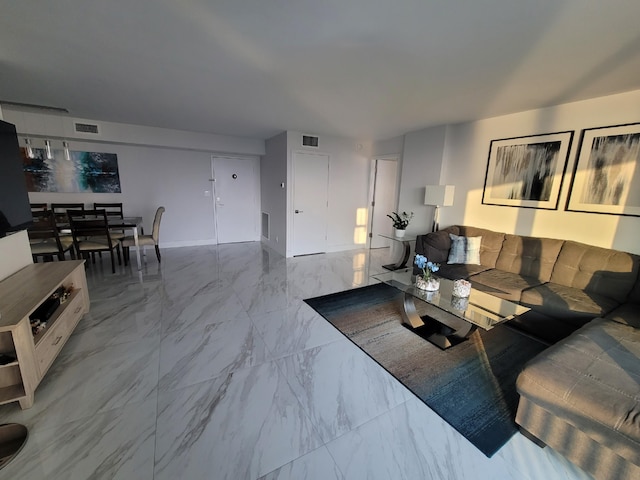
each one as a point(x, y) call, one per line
point(236, 197)
point(310, 203)
point(384, 200)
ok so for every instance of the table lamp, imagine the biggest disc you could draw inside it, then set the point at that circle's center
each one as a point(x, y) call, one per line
point(438, 196)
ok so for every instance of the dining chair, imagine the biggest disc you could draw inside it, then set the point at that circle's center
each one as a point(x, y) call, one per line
point(38, 207)
point(113, 210)
point(44, 239)
point(91, 234)
point(145, 240)
point(60, 210)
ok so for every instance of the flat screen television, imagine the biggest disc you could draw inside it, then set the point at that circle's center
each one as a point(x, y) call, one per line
point(15, 211)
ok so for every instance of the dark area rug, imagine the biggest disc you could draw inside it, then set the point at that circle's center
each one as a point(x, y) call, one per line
point(471, 385)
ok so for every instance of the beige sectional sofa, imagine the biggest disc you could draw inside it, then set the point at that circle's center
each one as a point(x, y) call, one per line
point(581, 396)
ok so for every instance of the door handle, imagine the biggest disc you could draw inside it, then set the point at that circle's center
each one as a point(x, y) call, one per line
point(298, 211)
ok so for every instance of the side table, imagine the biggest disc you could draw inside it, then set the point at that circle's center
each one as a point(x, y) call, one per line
point(406, 245)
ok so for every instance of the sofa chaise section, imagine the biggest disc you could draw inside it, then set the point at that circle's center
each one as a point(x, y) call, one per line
point(582, 397)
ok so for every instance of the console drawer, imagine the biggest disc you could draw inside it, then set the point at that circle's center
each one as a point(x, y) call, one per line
point(57, 334)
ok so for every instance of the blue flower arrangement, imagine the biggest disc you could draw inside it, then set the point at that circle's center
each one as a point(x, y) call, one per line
point(428, 268)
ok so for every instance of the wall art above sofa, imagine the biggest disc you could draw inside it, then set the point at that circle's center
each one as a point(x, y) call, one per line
point(607, 171)
point(527, 171)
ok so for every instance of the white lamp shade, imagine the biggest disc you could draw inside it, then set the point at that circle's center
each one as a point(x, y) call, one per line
point(439, 195)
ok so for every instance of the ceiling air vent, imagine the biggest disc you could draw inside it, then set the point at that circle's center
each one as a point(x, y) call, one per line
point(309, 141)
point(86, 128)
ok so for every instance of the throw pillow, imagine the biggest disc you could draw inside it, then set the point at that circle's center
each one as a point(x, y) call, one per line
point(464, 249)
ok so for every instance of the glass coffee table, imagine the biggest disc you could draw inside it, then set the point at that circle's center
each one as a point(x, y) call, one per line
point(448, 320)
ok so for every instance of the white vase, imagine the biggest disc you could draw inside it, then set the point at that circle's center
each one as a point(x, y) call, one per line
point(430, 285)
point(399, 233)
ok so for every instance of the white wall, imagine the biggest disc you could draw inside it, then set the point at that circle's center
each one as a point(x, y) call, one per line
point(389, 147)
point(156, 166)
point(349, 168)
point(273, 172)
point(465, 162)
point(421, 165)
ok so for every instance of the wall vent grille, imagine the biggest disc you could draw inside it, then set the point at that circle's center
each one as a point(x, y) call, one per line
point(309, 141)
point(86, 128)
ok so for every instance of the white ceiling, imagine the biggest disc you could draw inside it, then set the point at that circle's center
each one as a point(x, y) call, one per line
point(370, 69)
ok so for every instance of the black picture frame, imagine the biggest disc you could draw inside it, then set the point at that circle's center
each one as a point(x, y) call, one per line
point(527, 171)
point(606, 176)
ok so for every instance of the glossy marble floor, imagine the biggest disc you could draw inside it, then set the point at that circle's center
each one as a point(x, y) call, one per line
point(210, 366)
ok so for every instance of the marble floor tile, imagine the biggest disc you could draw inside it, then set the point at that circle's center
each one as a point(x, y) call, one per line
point(315, 465)
point(411, 442)
point(297, 328)
point(81, 384)
point(118, 444)
point(237, 426)
point(340, 387)
point(209, 350)
point(267, 296)
point(118, 320)
point(217, 306)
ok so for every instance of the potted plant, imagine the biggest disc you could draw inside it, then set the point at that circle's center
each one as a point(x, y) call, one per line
point(400, 222)
point(427, 280)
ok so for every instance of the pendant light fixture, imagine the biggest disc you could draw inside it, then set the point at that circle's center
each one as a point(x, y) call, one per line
point(67, 153)
point(29, 149)
point(47, 148)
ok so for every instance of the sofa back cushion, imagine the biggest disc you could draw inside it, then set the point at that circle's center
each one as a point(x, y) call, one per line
point(435, 246)
point(593, 269)
point(489, 247)
point(529, 256)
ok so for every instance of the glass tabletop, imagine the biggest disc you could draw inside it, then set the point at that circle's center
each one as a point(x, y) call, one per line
point(480, 308)
point(406, 238)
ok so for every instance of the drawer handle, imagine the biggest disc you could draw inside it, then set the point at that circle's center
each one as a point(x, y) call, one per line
point(57, 341)
point(78, 309)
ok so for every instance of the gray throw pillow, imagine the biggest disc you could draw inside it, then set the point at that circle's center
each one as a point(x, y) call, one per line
point(464, 250)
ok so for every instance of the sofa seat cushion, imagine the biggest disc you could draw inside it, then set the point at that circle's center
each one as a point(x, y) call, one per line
point(627, 313)
point(502, 284)
point(592, 381)
point(457, 271)
point(568, 303)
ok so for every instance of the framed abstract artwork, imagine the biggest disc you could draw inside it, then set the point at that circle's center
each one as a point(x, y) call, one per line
point(607, 171)
point(527, 171)
point(85, 172)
